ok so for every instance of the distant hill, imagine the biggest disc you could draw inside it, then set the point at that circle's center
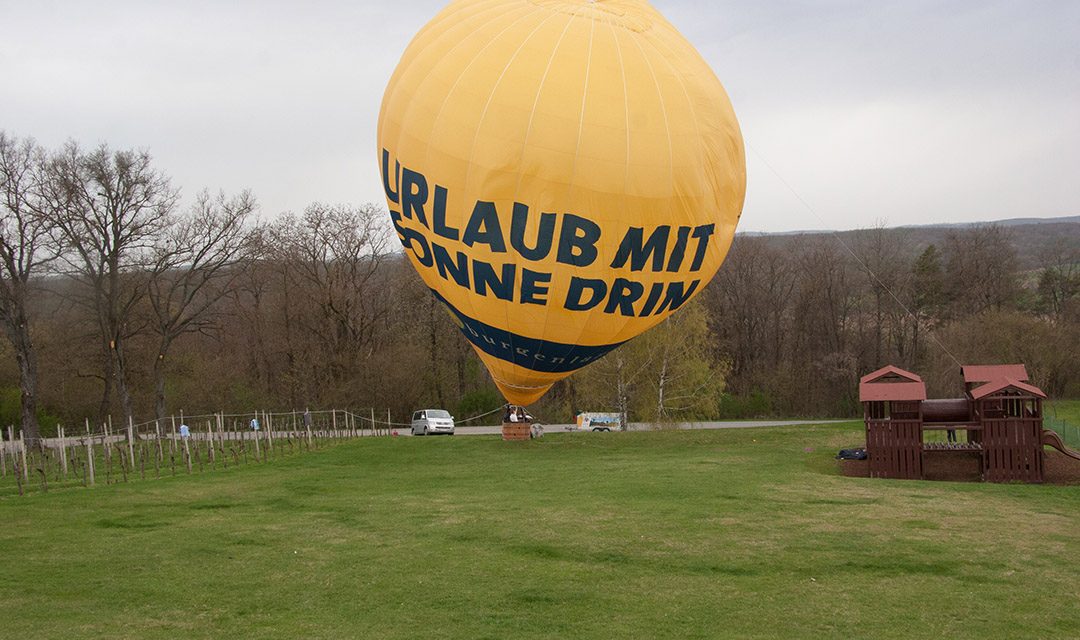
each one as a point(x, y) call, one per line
point(1029, 235)
point(1011, 222)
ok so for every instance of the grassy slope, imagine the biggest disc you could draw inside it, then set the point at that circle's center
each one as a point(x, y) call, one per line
point(739, 533)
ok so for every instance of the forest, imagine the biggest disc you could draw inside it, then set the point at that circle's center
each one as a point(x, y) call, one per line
point(120, 297)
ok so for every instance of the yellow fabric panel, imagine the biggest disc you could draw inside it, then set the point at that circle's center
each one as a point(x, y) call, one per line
point(601, 120)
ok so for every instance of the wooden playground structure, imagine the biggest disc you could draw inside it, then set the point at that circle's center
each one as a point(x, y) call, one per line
point(1001, 414)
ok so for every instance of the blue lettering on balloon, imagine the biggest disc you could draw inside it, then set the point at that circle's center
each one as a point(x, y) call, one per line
point(438, 215)
point(544, 234)
point(532, 289)
point(459, 271)
point(624, 293)
point(414, 194)
point(391, 194)
point(484, 227)
point(484, 278)
point(530, 353)
point(577, 241)
point(637, 250)
point(676, 297)
point(578, 287)
point(702, 234)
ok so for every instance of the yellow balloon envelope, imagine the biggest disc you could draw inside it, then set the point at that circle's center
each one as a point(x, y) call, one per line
point(563, 175)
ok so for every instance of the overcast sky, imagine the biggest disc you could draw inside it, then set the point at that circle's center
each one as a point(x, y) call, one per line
point(904, 112)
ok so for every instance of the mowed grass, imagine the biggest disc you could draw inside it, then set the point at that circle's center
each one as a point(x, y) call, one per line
point(707, 534)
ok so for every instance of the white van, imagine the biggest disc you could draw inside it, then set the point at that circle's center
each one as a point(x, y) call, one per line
point(428, 422)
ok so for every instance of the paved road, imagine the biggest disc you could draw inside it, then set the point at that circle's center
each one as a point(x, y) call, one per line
point(645, 426)
point(230, 436)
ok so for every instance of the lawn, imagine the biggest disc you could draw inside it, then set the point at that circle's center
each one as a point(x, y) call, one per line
point(744, 533)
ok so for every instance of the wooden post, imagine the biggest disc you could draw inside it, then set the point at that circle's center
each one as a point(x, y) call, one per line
point(270, 431)
point(105, 443)
point(221, 434)
point(22, 452)
point(3, 455)
point(333, 422)
point(15, 461)
point(221, 439)
point(89, 453)
point(210, 444)
point(159, 458)
point(131, 442)
point(172, 440)
point(388, 425)
point(373, 421)
point(187, 452)
point(257, 453)
point(63, 450)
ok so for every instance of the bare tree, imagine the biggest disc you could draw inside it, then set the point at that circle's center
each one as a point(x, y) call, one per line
point(981, 269)
point(330, 257)
point(109, 208)
point(881, 256)
point(197, 259)
point(748, 303)
point(24, 250)
point(1059, 280)
point(926, 297)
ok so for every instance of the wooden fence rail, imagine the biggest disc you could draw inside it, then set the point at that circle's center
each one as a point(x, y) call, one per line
point(190, 444)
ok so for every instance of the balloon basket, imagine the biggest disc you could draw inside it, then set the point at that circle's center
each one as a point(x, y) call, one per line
point(516, 430)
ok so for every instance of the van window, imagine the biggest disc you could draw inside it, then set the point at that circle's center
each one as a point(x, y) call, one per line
point(418, 415)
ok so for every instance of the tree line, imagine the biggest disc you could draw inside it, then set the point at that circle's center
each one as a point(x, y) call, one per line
point(117, 297)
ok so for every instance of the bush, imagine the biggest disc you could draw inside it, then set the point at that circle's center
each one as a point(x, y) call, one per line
point(11, 413)
point(755, 405)
point(477, 402)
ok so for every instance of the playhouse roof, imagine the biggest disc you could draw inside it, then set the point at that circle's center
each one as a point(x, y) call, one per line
point(993, 372)
point(887, 371)
point(997, 386)
point(891, 383)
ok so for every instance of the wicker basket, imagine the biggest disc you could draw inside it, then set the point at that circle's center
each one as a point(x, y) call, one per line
point(516, 430)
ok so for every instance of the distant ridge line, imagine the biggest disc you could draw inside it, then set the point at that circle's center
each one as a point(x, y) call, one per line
point(1009, 222)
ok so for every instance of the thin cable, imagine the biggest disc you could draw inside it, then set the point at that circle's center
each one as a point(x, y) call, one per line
point(839, 239)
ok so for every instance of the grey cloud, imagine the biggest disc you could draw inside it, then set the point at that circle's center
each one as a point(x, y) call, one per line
point(907, 111)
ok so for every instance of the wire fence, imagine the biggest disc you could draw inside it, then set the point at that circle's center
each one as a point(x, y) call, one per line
point(1070, 433)
point(110, 453)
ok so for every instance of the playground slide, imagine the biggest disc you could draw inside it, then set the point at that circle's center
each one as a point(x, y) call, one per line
point(1054, 440)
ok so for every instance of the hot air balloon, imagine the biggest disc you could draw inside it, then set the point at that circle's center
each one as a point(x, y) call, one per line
point(563, 174)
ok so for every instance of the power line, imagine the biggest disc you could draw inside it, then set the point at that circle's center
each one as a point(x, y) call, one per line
point(840, 239)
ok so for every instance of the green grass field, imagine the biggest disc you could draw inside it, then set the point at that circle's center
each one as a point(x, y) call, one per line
point(705, 534)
